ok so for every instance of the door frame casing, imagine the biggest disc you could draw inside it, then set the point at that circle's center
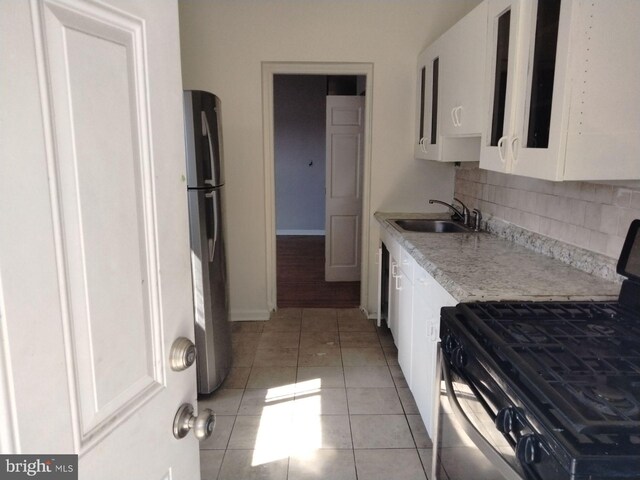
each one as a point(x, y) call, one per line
point(269, 70)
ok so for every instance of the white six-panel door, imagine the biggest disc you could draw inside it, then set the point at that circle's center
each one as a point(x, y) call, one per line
point(94, 251)
point(344, 155)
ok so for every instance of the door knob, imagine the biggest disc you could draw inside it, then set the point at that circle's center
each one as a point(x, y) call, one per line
point(185, 420)
point(182, 355)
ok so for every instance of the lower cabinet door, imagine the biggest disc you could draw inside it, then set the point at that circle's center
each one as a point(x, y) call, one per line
point(423, 346)
point(405, 326)
point(395, 283)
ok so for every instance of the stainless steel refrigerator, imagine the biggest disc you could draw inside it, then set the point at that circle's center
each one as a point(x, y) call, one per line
point(205, 188)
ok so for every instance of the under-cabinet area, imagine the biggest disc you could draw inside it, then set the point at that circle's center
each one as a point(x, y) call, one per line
point(540, 89)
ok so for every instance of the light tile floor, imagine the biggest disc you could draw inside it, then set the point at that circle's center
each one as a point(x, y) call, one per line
point(314, 394)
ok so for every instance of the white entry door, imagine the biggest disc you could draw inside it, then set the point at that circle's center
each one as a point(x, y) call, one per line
point(94, 252)
point(345, 144)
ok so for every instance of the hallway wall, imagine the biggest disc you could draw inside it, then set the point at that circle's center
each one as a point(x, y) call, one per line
point(299, 103)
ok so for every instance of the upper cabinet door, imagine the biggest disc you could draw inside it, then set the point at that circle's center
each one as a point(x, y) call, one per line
point(463, 75)
point(503, 25)
point(427, 144)
point(563, 103)
point(537, 141)
point(604, 116)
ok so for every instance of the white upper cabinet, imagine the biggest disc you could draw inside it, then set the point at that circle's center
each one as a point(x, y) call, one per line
point(451, 75)
point(463, 74)
point(427, 144)
point(562, 101)
point(502, 35)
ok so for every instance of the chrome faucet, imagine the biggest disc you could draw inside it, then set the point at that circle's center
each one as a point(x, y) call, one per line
point(477, 218)
point(464, 215)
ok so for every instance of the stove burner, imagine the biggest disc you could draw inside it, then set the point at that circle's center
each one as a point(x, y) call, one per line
point(609, 400)
point(601, 329)
point(608, 394)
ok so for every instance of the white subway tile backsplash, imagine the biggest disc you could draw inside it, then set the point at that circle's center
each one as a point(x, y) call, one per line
point(598, 242)
point(627, 215)
point(578, 209)
point(622, 197)
point(588, 192)
point(609, 219)
point(581, 238)
point(542, 186)
point(592, 216)
point(604, 194)
point(530, 221)
point(614, 246)
point(541, 204)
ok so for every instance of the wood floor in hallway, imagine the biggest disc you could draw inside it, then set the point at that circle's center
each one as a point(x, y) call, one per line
point(300, 276)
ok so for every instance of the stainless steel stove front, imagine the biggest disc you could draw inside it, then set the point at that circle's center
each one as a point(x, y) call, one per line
point(467, 444)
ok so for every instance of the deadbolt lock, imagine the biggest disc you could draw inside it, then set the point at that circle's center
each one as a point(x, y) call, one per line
point(182, 355)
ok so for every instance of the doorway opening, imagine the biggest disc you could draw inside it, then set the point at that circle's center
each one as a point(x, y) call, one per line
point(318, 160)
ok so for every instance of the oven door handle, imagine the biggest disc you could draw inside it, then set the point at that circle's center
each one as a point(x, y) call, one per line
point(472, 432)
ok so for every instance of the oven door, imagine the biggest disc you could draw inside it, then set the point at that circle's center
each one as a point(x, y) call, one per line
point(467, 443)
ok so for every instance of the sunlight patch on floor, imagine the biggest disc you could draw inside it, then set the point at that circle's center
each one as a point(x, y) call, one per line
point(289, 423)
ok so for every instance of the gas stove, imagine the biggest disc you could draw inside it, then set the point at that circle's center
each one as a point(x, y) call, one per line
point(560, 380)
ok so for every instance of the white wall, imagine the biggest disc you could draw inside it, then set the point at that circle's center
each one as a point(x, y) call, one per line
point(223, 45)
point(299, 103)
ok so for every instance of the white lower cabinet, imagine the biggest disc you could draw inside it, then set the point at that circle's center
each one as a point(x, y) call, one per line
point(415, 300)
point(405, 324)
point(395, 282)
point(428, 298)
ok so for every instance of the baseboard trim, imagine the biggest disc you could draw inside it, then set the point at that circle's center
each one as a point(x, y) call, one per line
point(249, 315)
point(369, 315)
point(301, 232)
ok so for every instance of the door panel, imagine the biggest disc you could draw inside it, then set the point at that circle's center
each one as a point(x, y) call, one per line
point(99, 150)
point(345, 132)
point(94, 256)
point(344, 235)
point(345, 166)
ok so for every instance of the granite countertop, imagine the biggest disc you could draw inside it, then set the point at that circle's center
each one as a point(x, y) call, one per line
point(484, 267)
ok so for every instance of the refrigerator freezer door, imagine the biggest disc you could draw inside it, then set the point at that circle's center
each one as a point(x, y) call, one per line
point(212, 328)
point(203, 139)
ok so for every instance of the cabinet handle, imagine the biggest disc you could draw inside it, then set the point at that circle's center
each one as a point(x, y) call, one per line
point(394, 270)
point(453, 116)
point(514, 150)
point(457, 111)
point(500, 144)
point(398, 285)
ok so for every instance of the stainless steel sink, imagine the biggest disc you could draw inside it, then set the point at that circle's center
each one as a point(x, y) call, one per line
point(429, 225)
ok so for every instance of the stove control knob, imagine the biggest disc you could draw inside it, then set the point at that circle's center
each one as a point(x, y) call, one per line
point(459, 357)
point(449, 343)
point(506, 420)
point(528, 449)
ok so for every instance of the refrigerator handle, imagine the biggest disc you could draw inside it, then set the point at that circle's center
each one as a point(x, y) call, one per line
point(206, 132)
point(212, 242)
